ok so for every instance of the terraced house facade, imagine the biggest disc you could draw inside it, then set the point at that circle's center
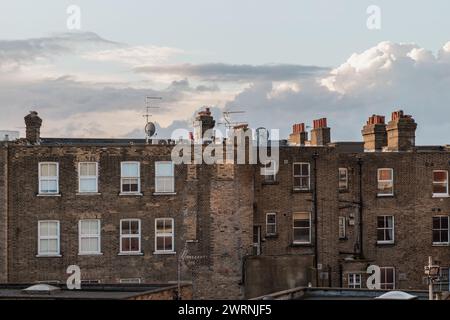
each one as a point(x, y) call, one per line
point(124, 212)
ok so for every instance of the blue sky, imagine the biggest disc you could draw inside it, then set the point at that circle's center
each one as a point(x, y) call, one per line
point(283, 58)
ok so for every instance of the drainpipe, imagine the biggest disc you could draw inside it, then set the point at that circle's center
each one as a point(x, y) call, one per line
point(316, 249)
point(360, 209)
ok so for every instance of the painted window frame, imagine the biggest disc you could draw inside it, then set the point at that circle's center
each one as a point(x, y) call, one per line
point(270, 175)
point(130, 280)
point(383, 283)
point(440, 195)
point(440, 229)
point(129, 236)
point(80, 177)
point(48, 178)
point(273, 224)
point(301, 175)
point(162, 234)
point(342, 222)
point(294, 228)
point(57, 238)
point(138, 177)
point(380, 193)
point(352, 282)
point(97, 236)
point(158, 177)
point(343, 188)
point(385, 228)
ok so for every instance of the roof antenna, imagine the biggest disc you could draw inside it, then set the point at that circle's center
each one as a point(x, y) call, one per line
point(228, 123)
point(150, 127)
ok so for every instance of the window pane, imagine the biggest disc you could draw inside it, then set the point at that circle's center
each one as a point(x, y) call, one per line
point(444, 236)
point(380, 234)
point(301, 235)
point(270, 218)
point(380, 222)
point(444, 222)
point(134, 227)
point(125, 227)
point(52, 170)
point(125, 244)
point(439, 187)
point(440, 176)
point(301, 223)
point(130, 170)
point(163, 169)
point(88, 185)
point(44, 170)
point(271, 229)
point(389, 222)
point(436, 222)
point(159, 225)
point(296, 169)
point(389, 235)
point(305, 169)
point(43, 246)
point(436, 236)
point(385, 174)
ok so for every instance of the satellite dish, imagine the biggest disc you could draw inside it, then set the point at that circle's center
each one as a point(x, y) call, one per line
point(150, 129)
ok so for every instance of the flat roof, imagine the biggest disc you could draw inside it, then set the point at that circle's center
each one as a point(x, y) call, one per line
point(87, 291)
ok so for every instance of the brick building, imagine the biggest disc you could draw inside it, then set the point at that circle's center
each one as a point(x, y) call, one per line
point(123, 212)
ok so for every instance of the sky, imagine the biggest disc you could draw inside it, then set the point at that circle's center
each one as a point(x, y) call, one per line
point(282, 62)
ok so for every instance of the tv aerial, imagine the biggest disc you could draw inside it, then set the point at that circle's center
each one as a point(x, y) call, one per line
point(228, 123)
point(150, 128)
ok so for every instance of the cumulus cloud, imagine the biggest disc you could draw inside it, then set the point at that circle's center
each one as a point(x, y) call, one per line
point(234, 72)
point(381, 79)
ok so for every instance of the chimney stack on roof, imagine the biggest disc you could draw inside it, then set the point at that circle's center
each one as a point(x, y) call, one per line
point(401, 132)
point(374, 133)
point(299, 135)
point(321, 133)
point(204, 126)
point(33, 127)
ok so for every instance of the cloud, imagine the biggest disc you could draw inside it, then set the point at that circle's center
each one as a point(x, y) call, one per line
point(135, 55)
point(379, 80)
point(234, 72)
point(18, 52)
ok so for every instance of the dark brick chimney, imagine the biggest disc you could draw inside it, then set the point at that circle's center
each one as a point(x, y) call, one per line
point(320, 134)
point(205, 121)
point(33, 127)
point(401, 132)
point(374, 133)
point(299, 135)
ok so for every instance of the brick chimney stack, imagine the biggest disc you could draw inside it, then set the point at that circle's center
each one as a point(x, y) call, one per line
point(204, 122)
point(299, 135)
point(33, 127)
point(320, 134)
point(374, 133)
point(401, 132)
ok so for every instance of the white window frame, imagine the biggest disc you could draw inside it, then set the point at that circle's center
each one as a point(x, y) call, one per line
point(440, 195)
point(301, 175)
point(89, 281)
point(48, 178)
point(122, 177)
point(352, 280)
point(383, 281)
point(138, 236)
point(343, 224)
point(80, 177)
point(172, 190)
point(386, 228)
point(293, 229)
point(346, 178)
point(274, 224)
point(440, 229)
point(380, 193)
point(164, 235)
point(57, 238)
point(130, 281)
point(98, 236)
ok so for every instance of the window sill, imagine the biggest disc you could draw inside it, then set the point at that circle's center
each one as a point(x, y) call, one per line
point(301, 244)
point(441, 244)
point(270, 183)
point(130, 194)
point(130, 254)
point(440, 196)
point(164, 193)
point(90, 254)
point(383, 244)
point(164, 252)
point(301, 191)
point(385, 196)
point(343, 239)
point(48, 195)
point(271, 236)
point(48, 256)
point(88, 193)
point(343, 190)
